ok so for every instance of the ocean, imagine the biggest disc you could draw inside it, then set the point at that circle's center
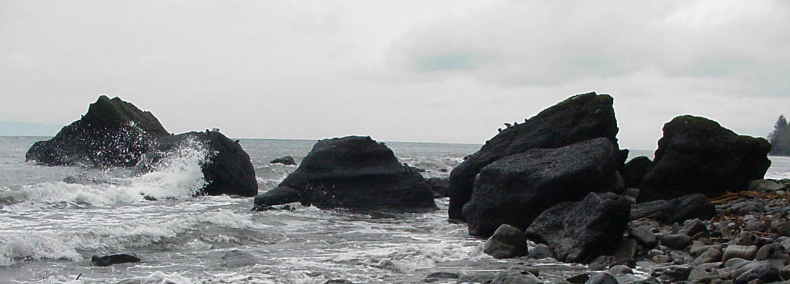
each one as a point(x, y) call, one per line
point(53, 219)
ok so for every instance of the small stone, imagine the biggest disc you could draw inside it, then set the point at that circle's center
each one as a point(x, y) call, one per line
point(602, 262)
point(540, 251)
point(578, 279)
point(755, 226)
point(602, 278)
point(693, 227)
point(514, 277)
point(698, 248)
point(711, 255)
point(626, 251)
point(739, 251)
point(676, 273)
point(643, 236)
point(506, 242)
point(764, 272)
point(436, 276)
point(770, 251)
point(746, 239)
point(704, 271)
point(765, 185)
point(677, 241)
point(620, 269)
point(780, 226)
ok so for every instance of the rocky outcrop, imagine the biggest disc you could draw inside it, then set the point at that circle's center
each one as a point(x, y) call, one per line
point(226, 167)
point(697, 155)
point(516, 189)
point(352, 172)
point(581, 231)
point(112, 133)
point(579, 118)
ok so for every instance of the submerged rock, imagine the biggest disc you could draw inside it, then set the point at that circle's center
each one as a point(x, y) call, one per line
point(578, 118)
point(581, 231)
point(112, 133)
point(352, 172)
point(226, 167)
point(516, 189)
point(697, 155)
point(113, 259)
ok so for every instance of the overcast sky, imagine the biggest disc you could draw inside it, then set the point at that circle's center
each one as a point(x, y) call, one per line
point(441, 71)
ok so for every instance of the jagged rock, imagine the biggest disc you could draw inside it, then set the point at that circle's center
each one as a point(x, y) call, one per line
point(113, 259)
point(634, 170)
point(352, 172)
point(697, 155)
point(675, 210)
point(440, 186)
point(516, 189)
point(506, 242)
point(582, 231)
point(112, 133)
point(226, 167)
point(286, 160)
point(578, 118)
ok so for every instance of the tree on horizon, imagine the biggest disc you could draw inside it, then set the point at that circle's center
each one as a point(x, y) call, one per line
point(780, 138)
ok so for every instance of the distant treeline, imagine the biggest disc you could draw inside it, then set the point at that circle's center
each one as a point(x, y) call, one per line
point(780, 138)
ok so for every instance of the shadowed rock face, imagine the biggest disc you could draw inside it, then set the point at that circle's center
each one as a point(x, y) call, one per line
point(518, 188)
point(227, 169)
point(581, 231)
point(112, 133)
point(352, 172)
point(579, 118)
point(697, 155)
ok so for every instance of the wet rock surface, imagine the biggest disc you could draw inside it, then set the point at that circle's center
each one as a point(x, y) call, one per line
point(352, 172)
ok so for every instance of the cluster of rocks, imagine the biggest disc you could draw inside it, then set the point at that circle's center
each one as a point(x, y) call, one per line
point(560, 180)
point(116, 133)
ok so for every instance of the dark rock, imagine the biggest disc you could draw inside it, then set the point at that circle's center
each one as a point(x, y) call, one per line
point(506, 242)
point(602, 278)
point(677, 241)
point(620, 269)
point(226, 167)
point(515, 277)
point(477, 278)
point(780, 226)
point(770, 251)
point(286, 160)
point(675, 210)
point(693, 227)
point(697, 155)
point(237, 259)
point(355, 173)
point(602, 262)
point(745, 239)
point(762, 271)
point(540, 251)
point(755, 226)
point(113, 259)
point(634, 170)
point(625, 251)
point(338, 281)
point(581, 231)
point(710, 255)
point(579, 118)
point(440, 186)
point(516, 189)
point(706, 270)
point(643, 236)
point(676, 273)
point(112, 133)
point(578, 279)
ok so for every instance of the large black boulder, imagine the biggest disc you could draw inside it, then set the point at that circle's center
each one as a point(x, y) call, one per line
point(226, 167)
point(581, 231)
point(634, 171)
point(516, 189)
point(578, 118)
point(355, 173)
point(697, 155)
point(112, 133)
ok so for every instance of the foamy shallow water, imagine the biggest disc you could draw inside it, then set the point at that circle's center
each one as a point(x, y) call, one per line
point(49, 228)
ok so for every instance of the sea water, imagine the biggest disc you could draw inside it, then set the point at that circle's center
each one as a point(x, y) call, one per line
point(53, 219)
